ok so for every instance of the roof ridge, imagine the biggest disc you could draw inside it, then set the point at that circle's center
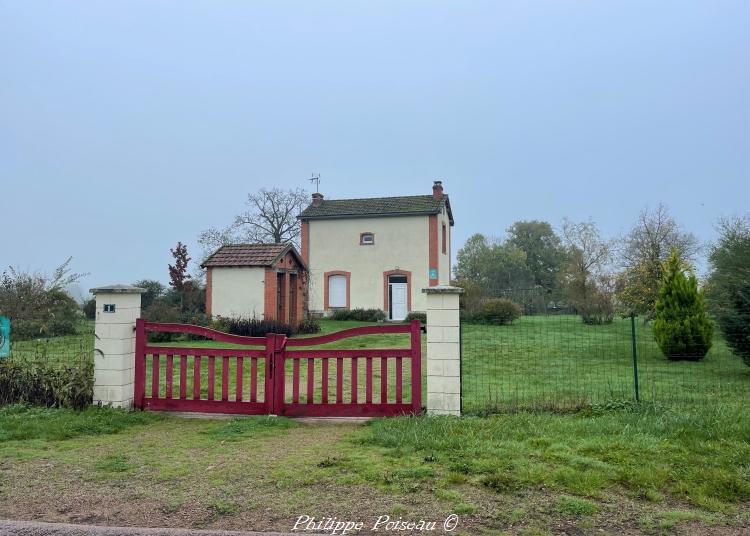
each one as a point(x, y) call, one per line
point(265, 244)
point(374, 198)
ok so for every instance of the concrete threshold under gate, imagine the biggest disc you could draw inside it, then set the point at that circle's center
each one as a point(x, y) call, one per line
point(304, 420)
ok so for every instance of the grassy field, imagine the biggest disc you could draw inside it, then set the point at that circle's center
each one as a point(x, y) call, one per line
point(633, 471)
point(558, 362)
point(65, 349)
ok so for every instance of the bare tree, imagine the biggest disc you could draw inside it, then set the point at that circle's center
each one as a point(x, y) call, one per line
point(587, 251)
point(643, 252)
point(271, 217)
point(582, 276)
point(653, 238)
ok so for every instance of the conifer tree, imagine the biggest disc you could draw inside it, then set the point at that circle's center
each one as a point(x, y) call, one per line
point(682, 327)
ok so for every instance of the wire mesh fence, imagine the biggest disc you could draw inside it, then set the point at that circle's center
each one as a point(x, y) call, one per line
point(61, 351)
point(556, 361)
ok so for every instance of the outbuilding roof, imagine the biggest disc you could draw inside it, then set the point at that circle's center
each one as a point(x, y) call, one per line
point(251, 255)
point(410, 205)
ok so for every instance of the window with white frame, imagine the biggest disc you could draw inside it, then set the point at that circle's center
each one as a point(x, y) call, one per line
point(367, 239)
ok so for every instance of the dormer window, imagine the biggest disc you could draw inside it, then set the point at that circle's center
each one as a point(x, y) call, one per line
point(366, 239)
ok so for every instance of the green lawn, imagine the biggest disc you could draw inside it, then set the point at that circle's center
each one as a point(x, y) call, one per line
point(558, 362)
point(67, 349)
point(636, 471)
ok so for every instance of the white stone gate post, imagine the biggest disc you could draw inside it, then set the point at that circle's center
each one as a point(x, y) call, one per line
point(443, 350)
point(117, 308)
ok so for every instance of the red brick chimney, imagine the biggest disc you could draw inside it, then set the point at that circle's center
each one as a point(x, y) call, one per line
point(437, 190)
point(317, 199)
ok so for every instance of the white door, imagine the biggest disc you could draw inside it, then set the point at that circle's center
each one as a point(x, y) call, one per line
point(337, 291)
point(398, 301)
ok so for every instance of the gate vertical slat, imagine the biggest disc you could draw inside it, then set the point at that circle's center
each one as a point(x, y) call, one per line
point(324, 387)
point(211, 376)
point(368, 381)
point(170, 375)
point(399, 381)
point(268, 381)
point(225, 378)
point(383, 380)
point(196, 377)
point(295, 381)
point(183, 377)
point(354, 380)
point(340, 380)
point(238, 387)
point(253, 379)
point(310, 380)
point(279, 373)
point(155, 376)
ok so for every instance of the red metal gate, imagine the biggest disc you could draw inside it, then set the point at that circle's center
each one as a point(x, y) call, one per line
point(171, 378)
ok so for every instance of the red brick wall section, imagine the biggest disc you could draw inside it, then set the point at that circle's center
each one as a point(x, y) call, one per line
point(348, 276)
point(300, 296)
point(433, 252)
point(209, 291)
point(285, 297)
point(305, 241)
point(406, 273)
point(269, 305)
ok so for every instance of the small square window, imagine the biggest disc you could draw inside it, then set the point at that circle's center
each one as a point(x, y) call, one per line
point(366, 239)
point(109, 307)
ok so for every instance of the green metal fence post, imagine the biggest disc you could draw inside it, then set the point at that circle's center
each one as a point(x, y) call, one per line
point(635, 357)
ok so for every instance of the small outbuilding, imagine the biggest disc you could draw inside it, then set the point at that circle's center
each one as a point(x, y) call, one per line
point(265, 281)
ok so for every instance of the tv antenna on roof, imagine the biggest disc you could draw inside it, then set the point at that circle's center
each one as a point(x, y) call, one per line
point(316, 180)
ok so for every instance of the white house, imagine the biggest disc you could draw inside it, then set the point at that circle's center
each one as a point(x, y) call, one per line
point(376, 252)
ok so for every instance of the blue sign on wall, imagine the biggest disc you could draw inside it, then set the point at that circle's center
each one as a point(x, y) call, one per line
point(4, 336)
point(433, 273)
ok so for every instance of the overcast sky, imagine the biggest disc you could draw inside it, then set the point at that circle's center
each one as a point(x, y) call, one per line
point(127, 126)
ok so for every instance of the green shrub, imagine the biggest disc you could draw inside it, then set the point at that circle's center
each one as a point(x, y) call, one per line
point(682, 328)
point(471, 299)
point(45, 383)
point(161, 311)
point(359, 314)
point(499, 311)
point(308, 325)
point(597, 309)
point(59, 318)
point(37, 305)
point(252, 327)
point(416, 315)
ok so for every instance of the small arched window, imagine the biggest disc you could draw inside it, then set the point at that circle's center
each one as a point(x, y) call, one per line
point(366, 239)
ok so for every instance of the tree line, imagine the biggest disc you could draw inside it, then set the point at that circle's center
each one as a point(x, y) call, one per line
point(577, 267)
point(648, 271)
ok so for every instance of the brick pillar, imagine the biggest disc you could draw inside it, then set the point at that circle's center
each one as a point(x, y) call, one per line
point(443, 350)
point(117, 308)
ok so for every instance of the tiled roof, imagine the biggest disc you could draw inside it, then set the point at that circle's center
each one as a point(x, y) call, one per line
point(376, 206)
point(248, 255)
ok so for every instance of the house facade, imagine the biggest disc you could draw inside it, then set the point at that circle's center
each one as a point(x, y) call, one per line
point(376, 252)
point(265, 281)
